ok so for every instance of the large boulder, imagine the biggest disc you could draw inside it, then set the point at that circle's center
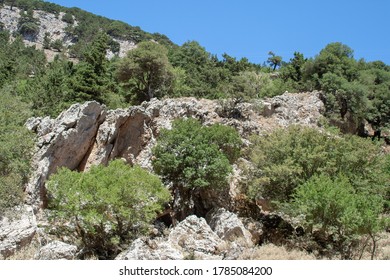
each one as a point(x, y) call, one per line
point(18, 231)
point(229, 227)
point(57, 250)
point(191, 238)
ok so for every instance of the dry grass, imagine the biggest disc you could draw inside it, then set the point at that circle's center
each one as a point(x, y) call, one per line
point(273, 252)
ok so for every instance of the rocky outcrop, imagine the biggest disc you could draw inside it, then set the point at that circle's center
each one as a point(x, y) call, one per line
point(190, 239)
point(49, 23)
point(52, 26)
point(57, 250)
point(63, 142)
point(228, 226)
point(222, 235)
point(17, 231)
point(87, 134)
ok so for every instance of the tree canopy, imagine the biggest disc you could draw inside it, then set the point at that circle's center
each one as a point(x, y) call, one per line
point(108, 206)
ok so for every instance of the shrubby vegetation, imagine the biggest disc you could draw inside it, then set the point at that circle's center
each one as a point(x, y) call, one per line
point(195, 157)
point(107, 206)
point(289, 157)
point(338, 185)
point(337, 210)
point(16, 144)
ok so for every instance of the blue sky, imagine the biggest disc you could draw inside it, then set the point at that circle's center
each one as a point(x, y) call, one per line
point(250, 28)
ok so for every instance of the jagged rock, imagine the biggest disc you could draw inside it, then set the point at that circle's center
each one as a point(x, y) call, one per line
point(194, 236)
point(144, 249)
point(57, 250)
point(292, 108)
point(10, 18)
point(228, 226)
point(191, 238)
point(17, 231)
point(65, 141)
point(86, 134)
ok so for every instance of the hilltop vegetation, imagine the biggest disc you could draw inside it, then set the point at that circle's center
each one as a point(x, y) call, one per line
point(298, 170)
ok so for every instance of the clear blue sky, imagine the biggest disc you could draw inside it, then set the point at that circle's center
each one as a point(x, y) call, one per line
point(252, 28)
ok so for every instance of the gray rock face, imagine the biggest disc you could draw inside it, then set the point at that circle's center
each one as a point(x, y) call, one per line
point(292, 108)
point(228, 226)
point(191, 238)
point(144, 249)
point(63, 142)
point(57, 250)
point(18, 231)
point(87, 134)
point(194, 235)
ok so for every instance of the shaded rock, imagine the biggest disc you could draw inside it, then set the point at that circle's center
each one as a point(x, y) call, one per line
point(57, 250)
point(18, 231)
point(276, 230)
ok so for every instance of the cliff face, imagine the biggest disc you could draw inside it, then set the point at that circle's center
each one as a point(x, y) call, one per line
point(89, 134)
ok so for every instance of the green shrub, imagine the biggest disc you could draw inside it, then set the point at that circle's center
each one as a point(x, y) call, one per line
point(16, 144)
point(57, 45)
point(289, 157)
point(195, 156)
point(68, 18)
point(108, 206)
point(333, 207)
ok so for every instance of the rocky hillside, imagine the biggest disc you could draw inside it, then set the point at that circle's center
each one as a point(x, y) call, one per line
point(218, 198)
point(58, 31)
point(89, 134)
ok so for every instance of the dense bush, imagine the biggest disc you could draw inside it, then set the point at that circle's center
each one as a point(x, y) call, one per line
point(107, 206)
point(68, 18)
point(16, 144)
point(146, 72)
point(195, 156)
point(334, 208)
point(338, 185)
point(287, 158)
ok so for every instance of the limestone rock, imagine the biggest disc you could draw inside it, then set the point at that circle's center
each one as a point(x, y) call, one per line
point(292, 108)
point(63, 142)
point(144, 249)
point(57, 250)
point(191, 238)
point(18, 231)
point(228, 226)
point(194, 236)
point(87, 134)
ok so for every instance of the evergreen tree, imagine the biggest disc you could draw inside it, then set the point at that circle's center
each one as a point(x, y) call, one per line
point(146, 72)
